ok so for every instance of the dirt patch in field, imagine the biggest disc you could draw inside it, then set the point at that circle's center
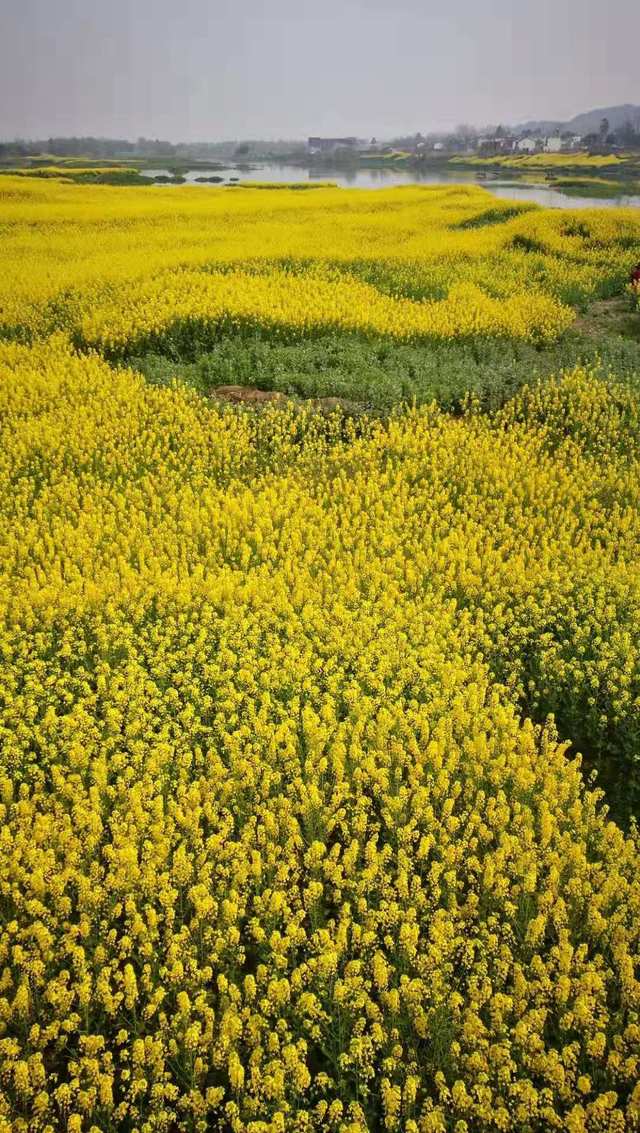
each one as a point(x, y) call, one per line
point(246, 395)
point(610, 317)
point(251, 395)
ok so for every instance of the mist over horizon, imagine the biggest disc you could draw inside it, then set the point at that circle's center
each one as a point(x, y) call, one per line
point(226, 71)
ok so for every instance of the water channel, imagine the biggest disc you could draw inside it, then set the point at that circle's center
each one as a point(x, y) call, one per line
point(361, 178)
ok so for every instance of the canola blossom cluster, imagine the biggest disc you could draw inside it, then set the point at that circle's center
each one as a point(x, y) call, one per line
point(107, 264)
point(303, 303)
point(578, 160)
point(278, 850)
point(295, 835)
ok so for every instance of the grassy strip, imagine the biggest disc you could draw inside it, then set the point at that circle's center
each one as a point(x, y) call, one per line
point(90, 176)
point(380, 374)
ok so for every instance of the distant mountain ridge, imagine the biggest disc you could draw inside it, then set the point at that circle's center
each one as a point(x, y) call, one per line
point(589, 123)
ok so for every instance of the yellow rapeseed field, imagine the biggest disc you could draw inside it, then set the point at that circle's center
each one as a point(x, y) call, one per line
point(85, 259)
point(311, 301)
point(280, 849)
point(578, 160)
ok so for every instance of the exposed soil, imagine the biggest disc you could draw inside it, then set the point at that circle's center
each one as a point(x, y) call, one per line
point(246, 394)
point(251, 395)
point(609, 317)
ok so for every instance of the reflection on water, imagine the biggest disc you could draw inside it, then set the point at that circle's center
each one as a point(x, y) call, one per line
point(556, 198)
point(357, 178)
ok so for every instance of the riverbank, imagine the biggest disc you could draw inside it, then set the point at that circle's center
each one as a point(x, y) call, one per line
point(557, 185)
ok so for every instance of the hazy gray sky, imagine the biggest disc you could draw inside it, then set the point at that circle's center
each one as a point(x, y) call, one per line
point(207, 69)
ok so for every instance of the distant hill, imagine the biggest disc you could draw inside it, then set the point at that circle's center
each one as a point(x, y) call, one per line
point(538, 125)
point(589, 123)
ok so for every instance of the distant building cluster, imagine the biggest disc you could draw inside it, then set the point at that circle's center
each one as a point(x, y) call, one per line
point(500, 142)
point(529, 143)
point(503, 142)
point(317, 146)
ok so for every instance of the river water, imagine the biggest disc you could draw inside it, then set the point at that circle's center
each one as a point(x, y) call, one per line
point(355, 178)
